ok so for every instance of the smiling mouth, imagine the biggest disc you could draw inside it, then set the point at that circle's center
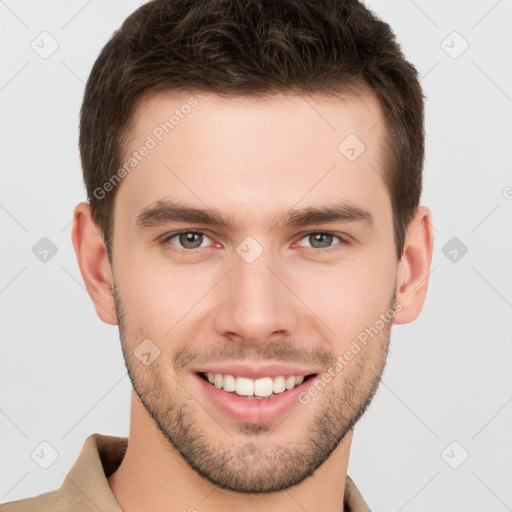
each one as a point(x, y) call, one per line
point(255, 389)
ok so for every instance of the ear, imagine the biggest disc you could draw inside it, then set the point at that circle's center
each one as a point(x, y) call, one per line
point(414, 267)
point(92, 257)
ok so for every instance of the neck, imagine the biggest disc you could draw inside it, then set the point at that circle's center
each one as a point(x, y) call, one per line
point(154, 476)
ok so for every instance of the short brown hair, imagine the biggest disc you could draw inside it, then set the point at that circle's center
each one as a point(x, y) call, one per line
point(252, 48)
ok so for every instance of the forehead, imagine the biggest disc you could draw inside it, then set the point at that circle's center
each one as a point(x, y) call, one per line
point(238, 154)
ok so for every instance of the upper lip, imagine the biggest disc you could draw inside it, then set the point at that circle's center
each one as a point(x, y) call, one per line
point(256, 371)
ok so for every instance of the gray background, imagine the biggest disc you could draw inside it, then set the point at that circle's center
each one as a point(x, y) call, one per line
point(448, 375)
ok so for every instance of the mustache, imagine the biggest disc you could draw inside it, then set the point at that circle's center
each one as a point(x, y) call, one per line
point(287, 351)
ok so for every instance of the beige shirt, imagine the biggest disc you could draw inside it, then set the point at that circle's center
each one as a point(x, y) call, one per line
point(86, 489)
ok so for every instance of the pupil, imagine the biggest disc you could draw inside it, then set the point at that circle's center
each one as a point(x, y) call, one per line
point(321, 237)
point(189, 238)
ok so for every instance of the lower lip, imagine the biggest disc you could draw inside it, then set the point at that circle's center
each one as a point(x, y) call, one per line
point(253, 410)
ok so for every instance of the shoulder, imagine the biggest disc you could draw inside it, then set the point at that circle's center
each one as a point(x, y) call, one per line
point(52, 501)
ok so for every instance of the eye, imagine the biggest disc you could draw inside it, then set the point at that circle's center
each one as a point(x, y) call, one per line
point(322, 240)
point(188, 240)
point(192, 240)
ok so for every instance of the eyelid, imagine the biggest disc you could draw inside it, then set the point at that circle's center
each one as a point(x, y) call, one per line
point(343, 237)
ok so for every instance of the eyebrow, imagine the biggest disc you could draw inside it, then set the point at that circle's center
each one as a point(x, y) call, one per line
point(166, 211)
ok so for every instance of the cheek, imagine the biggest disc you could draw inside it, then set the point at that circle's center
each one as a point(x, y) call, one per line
point(145, 294)
point(346, 298)
point(156, 295)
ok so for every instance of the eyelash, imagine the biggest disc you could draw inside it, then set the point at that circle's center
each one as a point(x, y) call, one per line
point(166, 240)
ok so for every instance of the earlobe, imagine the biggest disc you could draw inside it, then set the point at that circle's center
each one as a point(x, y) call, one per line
point(92, 257)
point(414, 267)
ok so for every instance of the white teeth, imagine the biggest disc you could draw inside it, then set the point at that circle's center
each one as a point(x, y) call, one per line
point(218, 380)
point(229, 383)
point(263, 387)
point(290, 382)
point(244, 386)
point(279, 386)
point(259, 388)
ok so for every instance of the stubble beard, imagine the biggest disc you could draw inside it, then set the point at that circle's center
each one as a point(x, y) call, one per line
point(250, 461)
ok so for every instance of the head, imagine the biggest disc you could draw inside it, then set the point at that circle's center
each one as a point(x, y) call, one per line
point(253, 172)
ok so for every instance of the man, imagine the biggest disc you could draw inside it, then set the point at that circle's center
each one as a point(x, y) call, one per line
point(254, 172)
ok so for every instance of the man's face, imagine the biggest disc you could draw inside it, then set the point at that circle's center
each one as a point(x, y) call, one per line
point(263, 297)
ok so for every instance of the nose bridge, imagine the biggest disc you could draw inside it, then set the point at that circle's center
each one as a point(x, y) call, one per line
point(256, 302)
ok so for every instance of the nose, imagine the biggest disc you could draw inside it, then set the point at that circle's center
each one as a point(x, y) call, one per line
point(255, 302)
